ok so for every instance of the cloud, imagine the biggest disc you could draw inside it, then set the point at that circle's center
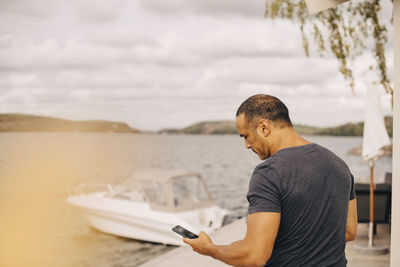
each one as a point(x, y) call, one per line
point(249, 8)
point(99, 11)
point(33, 9)
point(27, 54)
point(159, 64)
point(280, 71)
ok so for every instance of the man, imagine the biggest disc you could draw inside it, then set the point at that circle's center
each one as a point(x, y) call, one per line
point(302, 206)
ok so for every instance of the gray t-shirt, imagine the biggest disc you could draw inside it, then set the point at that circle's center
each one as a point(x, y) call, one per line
point(311, 188)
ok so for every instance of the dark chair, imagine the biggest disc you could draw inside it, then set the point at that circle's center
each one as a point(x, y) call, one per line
point(388, 178)
point(382, 203)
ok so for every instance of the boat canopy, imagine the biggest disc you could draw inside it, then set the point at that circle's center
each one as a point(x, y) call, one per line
point(171, 190)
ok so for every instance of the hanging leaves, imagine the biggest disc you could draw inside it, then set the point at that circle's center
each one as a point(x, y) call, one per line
point(344, 31)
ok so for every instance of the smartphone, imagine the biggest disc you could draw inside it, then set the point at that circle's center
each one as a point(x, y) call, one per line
point(184, 232)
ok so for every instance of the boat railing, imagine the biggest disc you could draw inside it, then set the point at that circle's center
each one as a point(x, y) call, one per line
point(92, 188)
point(118, 191)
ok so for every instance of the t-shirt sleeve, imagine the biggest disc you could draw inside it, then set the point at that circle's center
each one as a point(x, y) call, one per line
point(264, 193)
point(352, 191)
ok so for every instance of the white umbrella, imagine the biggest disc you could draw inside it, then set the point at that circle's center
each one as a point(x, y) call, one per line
point(375, 138)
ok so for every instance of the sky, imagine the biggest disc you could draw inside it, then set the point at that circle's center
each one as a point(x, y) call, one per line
point(166, 64)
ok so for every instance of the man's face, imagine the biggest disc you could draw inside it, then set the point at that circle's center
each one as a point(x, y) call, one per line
point(252, 139)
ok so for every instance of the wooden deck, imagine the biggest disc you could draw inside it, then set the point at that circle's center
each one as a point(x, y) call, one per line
point(184, 256)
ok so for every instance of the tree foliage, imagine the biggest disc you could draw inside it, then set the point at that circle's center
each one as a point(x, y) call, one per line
point(346, 31)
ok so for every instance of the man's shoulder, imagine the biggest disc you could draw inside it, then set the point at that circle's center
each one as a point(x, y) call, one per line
point(267, 165)
point(266, 170)
point(265, 184)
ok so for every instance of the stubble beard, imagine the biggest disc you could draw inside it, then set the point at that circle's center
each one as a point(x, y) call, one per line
point(264, 156)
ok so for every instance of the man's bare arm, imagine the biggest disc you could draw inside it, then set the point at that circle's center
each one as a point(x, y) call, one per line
point(254, 250)
point(351, 227)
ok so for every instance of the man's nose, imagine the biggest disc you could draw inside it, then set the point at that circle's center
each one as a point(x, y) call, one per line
point(248, 146)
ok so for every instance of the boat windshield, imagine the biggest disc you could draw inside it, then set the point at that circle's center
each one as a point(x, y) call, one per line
point(154, 192)
point(189, 190)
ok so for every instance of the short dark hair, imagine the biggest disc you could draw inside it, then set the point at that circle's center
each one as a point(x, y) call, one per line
point(264, 107)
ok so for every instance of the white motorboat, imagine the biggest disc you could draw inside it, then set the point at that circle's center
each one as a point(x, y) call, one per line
point(149, 204)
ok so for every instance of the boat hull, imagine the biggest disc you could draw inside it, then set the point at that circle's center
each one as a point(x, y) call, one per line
point(138, 221)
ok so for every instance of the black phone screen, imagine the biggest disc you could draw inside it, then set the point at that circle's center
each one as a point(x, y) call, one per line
point(183, 232)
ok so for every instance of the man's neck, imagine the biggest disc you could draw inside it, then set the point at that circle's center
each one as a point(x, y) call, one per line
point(287, 137)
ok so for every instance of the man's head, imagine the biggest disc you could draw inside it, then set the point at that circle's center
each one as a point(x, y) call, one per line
point(257, 118)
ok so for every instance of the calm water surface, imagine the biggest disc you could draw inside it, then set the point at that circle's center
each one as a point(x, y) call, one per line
point(37, 226)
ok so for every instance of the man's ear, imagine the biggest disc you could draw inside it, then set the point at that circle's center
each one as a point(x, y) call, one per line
point(264, 128)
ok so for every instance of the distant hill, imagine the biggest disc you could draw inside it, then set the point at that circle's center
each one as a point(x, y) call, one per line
point(229, 127)
point(206, 127)
point(306, 130)
point(31, 123)
point(354, 129)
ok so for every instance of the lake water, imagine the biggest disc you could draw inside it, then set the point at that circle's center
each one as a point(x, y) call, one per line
point(37, 226)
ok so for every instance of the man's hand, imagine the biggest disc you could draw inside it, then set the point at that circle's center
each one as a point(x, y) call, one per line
point(202, 245)
point(254, 250)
